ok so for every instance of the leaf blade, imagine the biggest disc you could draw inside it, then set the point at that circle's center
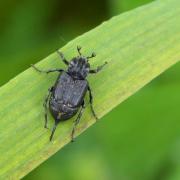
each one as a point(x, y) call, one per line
point(139, 44)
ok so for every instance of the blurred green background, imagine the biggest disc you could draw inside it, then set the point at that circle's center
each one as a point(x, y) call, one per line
point(139, 139)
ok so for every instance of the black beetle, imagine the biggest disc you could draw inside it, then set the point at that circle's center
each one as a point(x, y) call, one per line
point(66, 97)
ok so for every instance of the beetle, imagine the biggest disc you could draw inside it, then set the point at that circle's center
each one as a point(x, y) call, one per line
point(66, 97)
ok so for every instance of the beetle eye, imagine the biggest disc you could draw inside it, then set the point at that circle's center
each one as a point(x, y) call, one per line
point(71, 64)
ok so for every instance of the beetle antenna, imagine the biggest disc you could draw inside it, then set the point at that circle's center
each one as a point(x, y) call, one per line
point(79, 50)
point(53, 130)
point(62, 39)
point(92, 55)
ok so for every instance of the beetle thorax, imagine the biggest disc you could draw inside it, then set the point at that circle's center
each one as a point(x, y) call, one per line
point(79, 68)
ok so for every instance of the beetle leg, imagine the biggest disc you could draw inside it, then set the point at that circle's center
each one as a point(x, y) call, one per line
point(53, 130)
point(99, 68)
point(63, 58)
point(46, 106)
point(46, 71)
point(91, 103)
point(76, 122)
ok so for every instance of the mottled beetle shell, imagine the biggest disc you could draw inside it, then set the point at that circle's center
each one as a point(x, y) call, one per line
point(67, 96)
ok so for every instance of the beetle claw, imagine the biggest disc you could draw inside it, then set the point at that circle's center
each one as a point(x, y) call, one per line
point(46, 127)
point(72, 140)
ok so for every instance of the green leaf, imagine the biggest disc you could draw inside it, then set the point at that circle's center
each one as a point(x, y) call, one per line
point(138, 45)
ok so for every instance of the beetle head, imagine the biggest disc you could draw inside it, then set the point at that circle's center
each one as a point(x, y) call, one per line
point(79, 67)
